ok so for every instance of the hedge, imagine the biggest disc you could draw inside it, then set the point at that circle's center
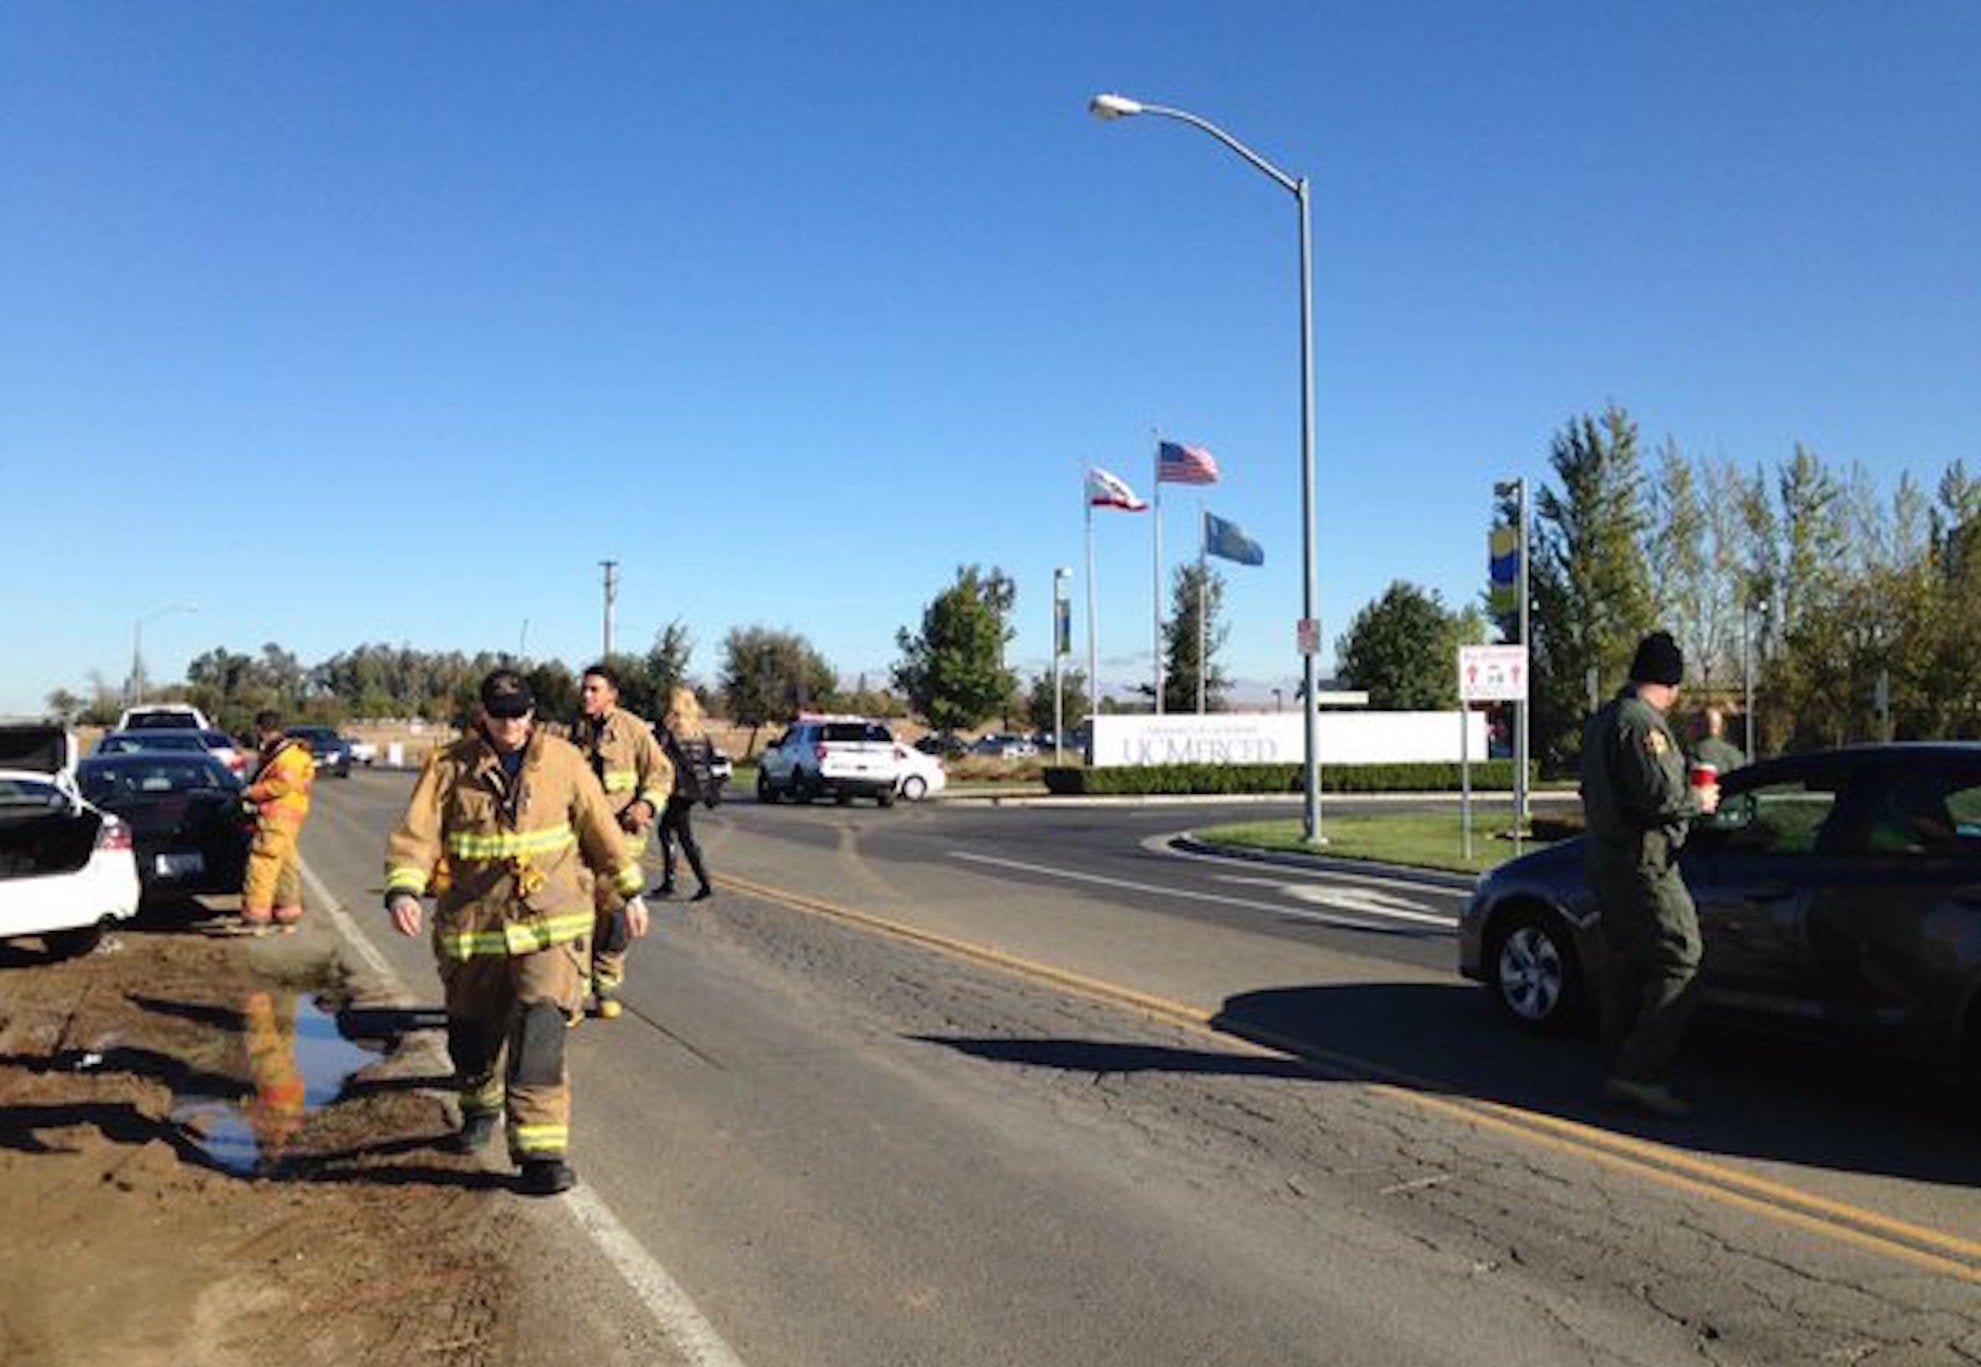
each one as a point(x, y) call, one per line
point(1071, 781)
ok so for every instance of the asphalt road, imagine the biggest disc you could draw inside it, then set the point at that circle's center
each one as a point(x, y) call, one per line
point(967, 1085)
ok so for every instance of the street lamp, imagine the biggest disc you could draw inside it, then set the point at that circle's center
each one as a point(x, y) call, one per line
point(1061, 640)
point(1110, 107)
point(1516, 489)
point(1750, 610)
point(137, 645)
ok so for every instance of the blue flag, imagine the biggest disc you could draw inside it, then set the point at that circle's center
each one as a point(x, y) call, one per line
point(1227, 541)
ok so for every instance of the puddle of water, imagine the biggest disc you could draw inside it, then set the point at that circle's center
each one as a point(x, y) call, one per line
point(296, 1061)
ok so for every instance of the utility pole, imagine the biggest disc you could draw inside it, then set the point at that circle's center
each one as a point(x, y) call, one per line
point(611, 596)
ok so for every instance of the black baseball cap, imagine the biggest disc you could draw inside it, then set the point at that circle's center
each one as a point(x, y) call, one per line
point(506, 694)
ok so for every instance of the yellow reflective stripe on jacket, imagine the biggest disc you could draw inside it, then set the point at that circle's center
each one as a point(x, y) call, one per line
point(539, 1139)
point(404, 879)
point(629, 881)
point(620, 780)
point(515, 937)
point(508, 844)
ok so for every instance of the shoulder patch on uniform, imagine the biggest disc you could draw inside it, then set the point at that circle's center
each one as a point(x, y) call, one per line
point(1655, 742)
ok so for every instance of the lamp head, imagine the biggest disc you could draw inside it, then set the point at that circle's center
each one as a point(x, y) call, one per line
point(1109, 107)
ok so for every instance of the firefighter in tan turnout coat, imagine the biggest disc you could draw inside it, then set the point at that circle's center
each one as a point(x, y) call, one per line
point(521, 827)
point(637, 777)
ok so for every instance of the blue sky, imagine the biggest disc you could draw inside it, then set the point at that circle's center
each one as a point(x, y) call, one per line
point(389, 321)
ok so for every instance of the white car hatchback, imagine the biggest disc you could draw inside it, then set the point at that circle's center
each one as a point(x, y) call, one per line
point(67, 869)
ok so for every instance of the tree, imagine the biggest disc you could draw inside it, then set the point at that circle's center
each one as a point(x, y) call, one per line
point(1402, 649)
point(949, 671)
point(1688, 597)
point(770, 676)
point(1590, 581)
point(1183, 640)
point(1073, 699)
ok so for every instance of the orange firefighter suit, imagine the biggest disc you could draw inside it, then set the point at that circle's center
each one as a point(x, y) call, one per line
point(512, 925)
point(280, 796)
point(631, 766)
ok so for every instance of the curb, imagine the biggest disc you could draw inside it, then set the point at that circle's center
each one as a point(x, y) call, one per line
point(1402, 873)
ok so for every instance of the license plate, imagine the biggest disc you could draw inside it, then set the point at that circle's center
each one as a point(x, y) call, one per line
point(180, 865)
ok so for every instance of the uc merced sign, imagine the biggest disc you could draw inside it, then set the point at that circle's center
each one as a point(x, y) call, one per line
point(1278, 738)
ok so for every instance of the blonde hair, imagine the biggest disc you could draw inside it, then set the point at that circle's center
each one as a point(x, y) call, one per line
point(684, 713)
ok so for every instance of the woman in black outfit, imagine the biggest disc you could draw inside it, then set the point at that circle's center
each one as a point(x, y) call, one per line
point(687, 745)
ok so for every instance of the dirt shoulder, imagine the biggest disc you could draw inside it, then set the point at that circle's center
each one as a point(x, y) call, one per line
point(192, 1171)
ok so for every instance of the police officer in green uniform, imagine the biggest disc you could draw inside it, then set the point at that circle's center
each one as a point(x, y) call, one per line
point(1637, 802)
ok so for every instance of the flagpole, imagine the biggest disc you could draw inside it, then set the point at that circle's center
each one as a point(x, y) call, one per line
point(1093, 653)
point(1203, 578)
point(1156, 472)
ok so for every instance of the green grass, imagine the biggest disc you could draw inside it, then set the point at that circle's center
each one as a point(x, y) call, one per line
point(1430, 840)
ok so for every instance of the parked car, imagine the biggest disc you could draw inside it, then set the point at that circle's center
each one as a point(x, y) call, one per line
point(722, 767)
point(945, 743)
point(1839, 894)
point(189, 829)
point(332, 751)
point(66, 867)
point(239, 759)
point(170, 716)
point(363, 752)
point(1000, 745)
point(844, 757)
point(184, 741)
point(920, 776)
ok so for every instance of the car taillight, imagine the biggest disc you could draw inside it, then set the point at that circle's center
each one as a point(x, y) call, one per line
point(113, 834)
point(819, 752)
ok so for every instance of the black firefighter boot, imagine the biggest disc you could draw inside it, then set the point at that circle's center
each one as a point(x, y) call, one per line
point(545, 1177)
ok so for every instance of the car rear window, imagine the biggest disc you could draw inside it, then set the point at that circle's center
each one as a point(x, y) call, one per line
point(151, 721)
point(845, 731)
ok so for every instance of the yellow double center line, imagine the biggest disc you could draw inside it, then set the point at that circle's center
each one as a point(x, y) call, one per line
point(1929, 1249)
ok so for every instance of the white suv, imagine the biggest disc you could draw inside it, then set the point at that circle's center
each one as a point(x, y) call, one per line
point(177, 716)
point(846, 757)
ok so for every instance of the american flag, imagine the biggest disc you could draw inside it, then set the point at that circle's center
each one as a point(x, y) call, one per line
point(1111, 491)
point(1176, 464)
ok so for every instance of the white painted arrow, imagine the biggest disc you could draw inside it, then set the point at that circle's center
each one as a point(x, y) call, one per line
point(1362, 901)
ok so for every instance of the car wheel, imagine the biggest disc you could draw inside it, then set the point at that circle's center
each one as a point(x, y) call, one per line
point(914, 787)
point(766, 793)
point(1535, 978)
point(72, 944)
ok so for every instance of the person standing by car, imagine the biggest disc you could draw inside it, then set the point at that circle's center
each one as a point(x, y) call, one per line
point(1710, 745)
point(280, 795)
point(1636, 801)
point(637, 777)
point(686, 741)
point(519, 820)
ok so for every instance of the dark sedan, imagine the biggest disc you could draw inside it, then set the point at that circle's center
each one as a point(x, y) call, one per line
point(188, 826)
point(331, 751)
point(1839, 894)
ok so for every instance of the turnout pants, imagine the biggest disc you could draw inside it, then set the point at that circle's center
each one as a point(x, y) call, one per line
point(610, 938)
point(274, 889)
point(1652, 951)
point(516, 1007)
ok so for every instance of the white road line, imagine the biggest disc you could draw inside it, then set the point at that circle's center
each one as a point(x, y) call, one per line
point(1186, 894)
point(1368, 901)
point(686, 1329)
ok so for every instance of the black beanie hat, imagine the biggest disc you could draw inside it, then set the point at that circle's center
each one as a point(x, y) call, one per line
point(1658, 660)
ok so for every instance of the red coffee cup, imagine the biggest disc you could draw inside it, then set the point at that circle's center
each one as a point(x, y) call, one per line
point(1704, 774)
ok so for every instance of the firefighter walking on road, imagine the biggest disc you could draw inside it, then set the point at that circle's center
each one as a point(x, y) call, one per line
point(637, 777)
point(523, 827)
point(280, 796)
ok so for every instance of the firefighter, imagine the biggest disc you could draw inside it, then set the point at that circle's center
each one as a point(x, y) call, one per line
point(280, 797)
point(523, 827)
point(637, 777)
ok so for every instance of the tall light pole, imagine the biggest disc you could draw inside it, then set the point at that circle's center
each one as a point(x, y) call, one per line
point(1060, 644)
point(137, 645)
point(1516, 489)
point(611, 568)
point(1109, 107)
point(1750, 609)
